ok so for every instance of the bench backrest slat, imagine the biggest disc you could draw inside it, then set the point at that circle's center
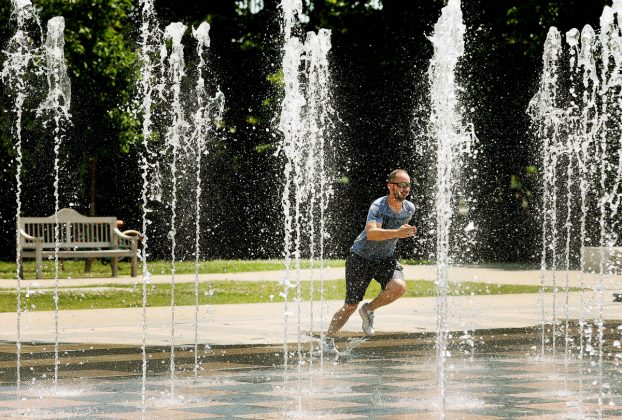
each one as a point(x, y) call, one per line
point(74, 230)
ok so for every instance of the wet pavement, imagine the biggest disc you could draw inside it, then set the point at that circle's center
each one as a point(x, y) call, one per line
point(500, 374)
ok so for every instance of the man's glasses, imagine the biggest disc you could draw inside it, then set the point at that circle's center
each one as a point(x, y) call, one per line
point(401, 184)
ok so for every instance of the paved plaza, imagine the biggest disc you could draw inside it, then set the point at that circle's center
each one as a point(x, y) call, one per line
point(392, 376)
point(496, 366)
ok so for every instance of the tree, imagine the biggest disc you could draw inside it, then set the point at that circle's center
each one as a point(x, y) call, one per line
point(379, 60)
point(102, 67)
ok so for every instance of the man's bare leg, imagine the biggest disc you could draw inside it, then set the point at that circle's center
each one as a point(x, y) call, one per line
point(340, 318)
point(394, 290)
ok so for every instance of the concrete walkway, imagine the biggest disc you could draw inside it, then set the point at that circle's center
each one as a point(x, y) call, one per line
point(412, 272)
point(265, 323)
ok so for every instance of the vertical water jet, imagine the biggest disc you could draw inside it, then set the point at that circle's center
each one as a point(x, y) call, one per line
point(149, 42)
point(208, 111)
point(20, 63)
point(449, 142)
point(174, 138)
point(576, 117)
point(57, 103)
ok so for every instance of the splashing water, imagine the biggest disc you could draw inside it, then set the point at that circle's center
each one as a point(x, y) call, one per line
point(253, 6)
point(209, 111)
point(150, 40)
point(581, 156)
point(318, 123)
point(450, 141)
point(19, 63)
point(191, 117)
point(289, 125)
point(290, 8)
point(201, 121)
point(578, 124)
point(548, 129)
point(305, 122)
point(174, 137)
point(57, 104)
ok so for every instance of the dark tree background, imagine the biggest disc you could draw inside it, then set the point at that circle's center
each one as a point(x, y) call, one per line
point(379, 61)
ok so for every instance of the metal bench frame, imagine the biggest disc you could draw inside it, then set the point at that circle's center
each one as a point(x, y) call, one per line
point(78, 237)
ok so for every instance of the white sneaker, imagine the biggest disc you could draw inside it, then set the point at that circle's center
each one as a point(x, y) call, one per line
point(368, 320)
point(328, 346)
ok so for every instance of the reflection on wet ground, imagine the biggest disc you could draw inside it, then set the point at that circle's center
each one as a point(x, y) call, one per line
point(490, 374)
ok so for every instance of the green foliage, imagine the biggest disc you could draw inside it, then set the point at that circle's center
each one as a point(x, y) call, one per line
point(264, 148)
point(527, 22)
point(7, 151)
point(378, 64)
point(276, 78)
point(252, 120)
point(75, 268)
point(102, 67)
point(522, 186)
point(335, 13)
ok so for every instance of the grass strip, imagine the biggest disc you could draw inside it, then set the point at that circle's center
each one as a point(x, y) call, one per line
point(101, 267)
point(222, 292)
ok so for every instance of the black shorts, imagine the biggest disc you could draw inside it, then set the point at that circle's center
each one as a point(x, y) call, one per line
point(360, 271)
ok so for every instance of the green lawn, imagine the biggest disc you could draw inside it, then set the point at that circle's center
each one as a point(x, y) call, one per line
point(75, 269)
point(219, 292)
point(101, 267)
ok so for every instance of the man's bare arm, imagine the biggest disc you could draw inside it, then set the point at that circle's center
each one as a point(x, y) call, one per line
point(375, 232)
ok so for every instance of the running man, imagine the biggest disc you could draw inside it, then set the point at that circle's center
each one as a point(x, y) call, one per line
point(372, 257)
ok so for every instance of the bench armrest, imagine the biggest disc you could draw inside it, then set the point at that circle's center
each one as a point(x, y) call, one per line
point(38, 242)
point(129, 235)
point(28, 237)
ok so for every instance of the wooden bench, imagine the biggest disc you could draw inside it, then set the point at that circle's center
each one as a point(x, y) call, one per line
point(612, 259)
point(78, 236)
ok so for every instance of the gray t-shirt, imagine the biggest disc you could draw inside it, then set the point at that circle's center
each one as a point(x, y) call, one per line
point(381, 213)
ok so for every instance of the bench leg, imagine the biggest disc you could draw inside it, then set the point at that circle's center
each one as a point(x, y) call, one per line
point(134, 266)
point(113, 264)
point(38, 264)
point(134, 259)
point(20, 269)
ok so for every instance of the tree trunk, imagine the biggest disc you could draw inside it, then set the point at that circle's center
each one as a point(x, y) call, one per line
point(92, 184)
point(92, 212)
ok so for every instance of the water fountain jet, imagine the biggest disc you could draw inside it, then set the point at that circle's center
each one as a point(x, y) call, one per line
point(450, 141)
point(576, 119)
point(21, 53)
